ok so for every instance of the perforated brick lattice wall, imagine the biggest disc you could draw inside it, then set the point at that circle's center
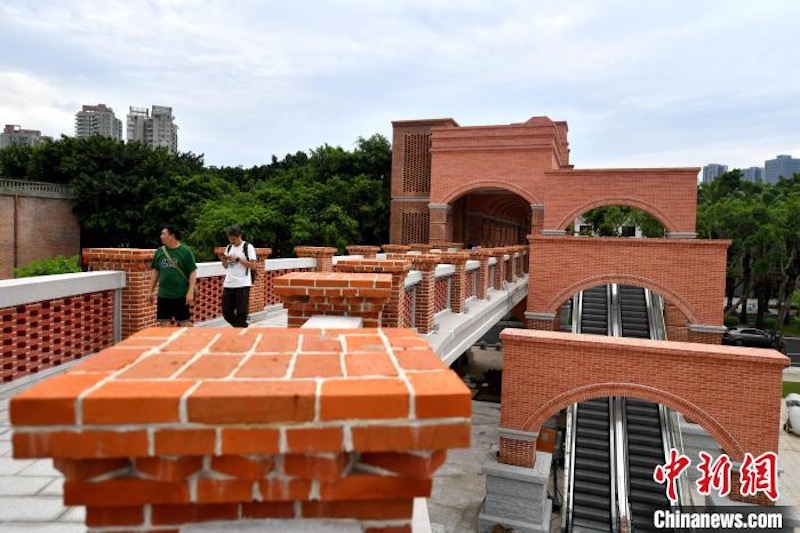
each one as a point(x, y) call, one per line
point(415, 227)
point(40, 335)
point(408, 315)
point(417, 157)
point(469, 286)
point(209, 303)
point(440, 298)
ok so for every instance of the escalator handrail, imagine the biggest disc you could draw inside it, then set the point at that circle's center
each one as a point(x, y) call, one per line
point(569, 465)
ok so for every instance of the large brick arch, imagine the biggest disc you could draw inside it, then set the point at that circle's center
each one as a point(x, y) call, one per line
point(669, 295)
point(668, 194)
point(654, 211)
point(550, 370)
point(631, 390)
point(690, 273)
point(481, 185)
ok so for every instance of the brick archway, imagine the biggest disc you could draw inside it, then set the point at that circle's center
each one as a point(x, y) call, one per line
point(631, 390)
point(454, 194)
point(550, 370)
point(690, 273)
point(669, 295)
point(654, 211)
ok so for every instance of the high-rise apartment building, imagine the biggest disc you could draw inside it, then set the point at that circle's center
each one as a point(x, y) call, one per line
point(13, 135)
point(97, 120)
point(753, 174)
point(782, 166)
point(713, 170)
point(155, 128)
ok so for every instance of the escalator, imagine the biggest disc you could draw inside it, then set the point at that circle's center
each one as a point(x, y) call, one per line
point(615, 431)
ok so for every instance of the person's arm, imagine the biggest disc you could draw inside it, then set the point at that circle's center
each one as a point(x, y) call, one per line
point(224, 258)
point(153, 282)
point(252, 263)
point(192, 282)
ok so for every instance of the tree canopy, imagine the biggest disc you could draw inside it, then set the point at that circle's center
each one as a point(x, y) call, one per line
point(125, 192)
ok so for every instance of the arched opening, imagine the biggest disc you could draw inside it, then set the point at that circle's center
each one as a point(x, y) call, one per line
point(490, 217)
point(617, 221)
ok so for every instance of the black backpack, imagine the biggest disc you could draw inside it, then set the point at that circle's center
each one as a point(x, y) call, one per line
point(253, 271)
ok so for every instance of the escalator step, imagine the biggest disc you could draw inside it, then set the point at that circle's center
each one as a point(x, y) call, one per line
point(580, 525)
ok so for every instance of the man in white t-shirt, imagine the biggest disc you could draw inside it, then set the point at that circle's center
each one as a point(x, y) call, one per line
point(236, 288)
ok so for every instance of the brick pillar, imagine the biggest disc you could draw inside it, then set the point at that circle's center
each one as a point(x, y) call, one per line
point(483, 271)
point(303, 437)
point(458, 289)
point(258, 292)
point(306, 294)
point(440, 230)
point(499, 268)
point(676, 323)
point(137, 311)
point(426, 292)
point(322, 254)
point(396, 248)
point(537, 219)
point(525, 250)
point(368, 252)
point(395, 311)
point(541, 321)
point(511, 266)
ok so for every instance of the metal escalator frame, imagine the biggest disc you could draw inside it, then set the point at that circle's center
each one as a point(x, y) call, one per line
point(614, 311)
point(569, 465)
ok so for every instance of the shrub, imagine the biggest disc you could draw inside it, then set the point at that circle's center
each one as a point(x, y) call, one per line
point(731, 321)
point(46, 267)
point(769, 323)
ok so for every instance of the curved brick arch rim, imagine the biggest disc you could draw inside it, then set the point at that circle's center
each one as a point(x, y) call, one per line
point(476, 186)
point(658, 214)
point(723, 437)
point(671, 296)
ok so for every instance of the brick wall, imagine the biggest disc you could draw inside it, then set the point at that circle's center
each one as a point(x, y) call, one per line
point(670, 195)
point(174, 426)
point(688, 273)
point(35, 228)
point(544, 372)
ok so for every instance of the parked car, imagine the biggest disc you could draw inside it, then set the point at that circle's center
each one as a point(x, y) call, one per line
point(744, 336)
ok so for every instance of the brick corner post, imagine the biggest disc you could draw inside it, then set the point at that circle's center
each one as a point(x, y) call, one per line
point(306, 294)
point(155, 454)
point(426, 291)
point(458, 289)
point(396, 248)
point(368, 252)
point(395, 311)
point(322, 254)
point(137, 311)
point(482, 256)
point(258, 292)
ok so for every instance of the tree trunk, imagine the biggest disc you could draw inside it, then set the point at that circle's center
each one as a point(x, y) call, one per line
point(787, 288)
point(745, 287)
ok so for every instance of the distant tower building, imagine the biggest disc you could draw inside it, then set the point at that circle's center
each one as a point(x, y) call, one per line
point(712, 171)
point(14, 135)
point(782, 166)
point(97, 120)
point(753, 173)
point(155, 128)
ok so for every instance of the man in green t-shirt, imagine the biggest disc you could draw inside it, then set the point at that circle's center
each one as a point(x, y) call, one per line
point(175, 273)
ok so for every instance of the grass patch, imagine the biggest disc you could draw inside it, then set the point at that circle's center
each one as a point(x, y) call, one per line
point(790, 387)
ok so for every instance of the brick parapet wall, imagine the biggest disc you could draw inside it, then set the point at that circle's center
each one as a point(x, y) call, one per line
point(43, 334)
point(670, 373)
point(174, 426)
point(306, 294)
point(322, 254)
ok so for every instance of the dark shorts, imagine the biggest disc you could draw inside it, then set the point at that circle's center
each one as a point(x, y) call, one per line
point(169, 308)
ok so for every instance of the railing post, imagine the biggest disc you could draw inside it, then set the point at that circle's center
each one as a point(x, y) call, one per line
point(322, 254)
point(458, 287)
point(395, 248)
point(482, 256)
point(395, 310)
point(499, 268)
point(368, 252)
point(426, 292)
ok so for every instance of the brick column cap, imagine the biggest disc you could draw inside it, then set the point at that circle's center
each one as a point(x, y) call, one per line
point(130, 255)
point(455, 258)
point(314, 250)
point(389, 266)
point(356, 248)
point(396, 248)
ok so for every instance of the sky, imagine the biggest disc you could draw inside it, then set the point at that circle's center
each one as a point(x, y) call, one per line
point(641, 83)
